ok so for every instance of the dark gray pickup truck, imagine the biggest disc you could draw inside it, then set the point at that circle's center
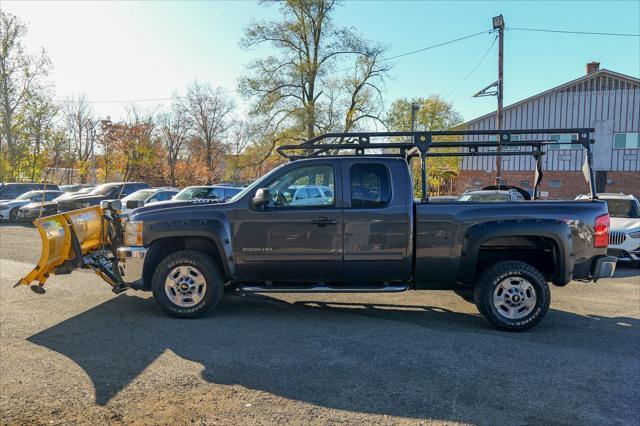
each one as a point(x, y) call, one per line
point(334, 220)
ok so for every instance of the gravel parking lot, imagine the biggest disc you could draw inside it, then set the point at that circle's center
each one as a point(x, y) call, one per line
point(79, 354)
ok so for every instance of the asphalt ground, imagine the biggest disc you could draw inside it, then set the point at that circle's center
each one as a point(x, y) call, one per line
point(78, 354)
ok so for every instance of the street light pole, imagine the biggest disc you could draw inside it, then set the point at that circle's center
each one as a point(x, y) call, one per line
point(498, 24)
point(414, 108)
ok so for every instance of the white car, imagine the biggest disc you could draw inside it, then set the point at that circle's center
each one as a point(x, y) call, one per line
point(9, 208)
point(143, 197)
point(312, 195)
point(624, 229)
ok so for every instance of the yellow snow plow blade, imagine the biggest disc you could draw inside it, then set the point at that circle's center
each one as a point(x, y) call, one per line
point(58, 234)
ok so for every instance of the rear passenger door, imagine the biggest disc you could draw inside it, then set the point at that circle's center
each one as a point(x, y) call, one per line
point(377, 222)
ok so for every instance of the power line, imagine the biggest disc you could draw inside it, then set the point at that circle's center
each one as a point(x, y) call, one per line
point(413, 52)
point(436, 45)
point(473, 69)
point(140, 100)
point(542, 30)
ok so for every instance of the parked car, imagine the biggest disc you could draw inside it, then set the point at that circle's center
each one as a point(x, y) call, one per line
point(442, 198)
point(145, 197)
point(76, 187)
point(106, 191)
point(9, 209)
point(11, 190)
point(310, 195)
point(41, 209)
point(372, 237)
point(624, 234)
point(488, 196)
point(67, 195)
point(207, 192)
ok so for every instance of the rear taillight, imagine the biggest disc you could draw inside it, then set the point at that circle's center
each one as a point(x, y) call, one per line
point(601, 231)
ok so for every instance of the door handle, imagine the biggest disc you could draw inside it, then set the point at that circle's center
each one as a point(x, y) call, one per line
point(323, 221)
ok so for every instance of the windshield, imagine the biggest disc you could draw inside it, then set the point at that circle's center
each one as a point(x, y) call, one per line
point(29, 195)
point(104, 189)
point(139, 195)
point(483, 197)
point(193, 193)
point(623, 208)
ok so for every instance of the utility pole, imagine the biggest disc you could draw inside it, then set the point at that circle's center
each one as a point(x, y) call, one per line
point(414, 108)
point(498, 24)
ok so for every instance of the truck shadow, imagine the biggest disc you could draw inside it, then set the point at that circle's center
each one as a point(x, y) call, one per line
point(411, 361)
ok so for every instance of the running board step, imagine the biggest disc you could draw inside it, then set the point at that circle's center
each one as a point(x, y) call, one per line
point(324, 289)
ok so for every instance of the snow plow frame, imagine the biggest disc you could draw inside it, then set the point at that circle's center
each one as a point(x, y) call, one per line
point(76, 239)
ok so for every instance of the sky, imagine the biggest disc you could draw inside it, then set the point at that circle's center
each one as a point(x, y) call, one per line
point(115, 52)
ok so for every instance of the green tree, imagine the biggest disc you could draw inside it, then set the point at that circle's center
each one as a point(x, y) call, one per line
point(22, 80)
point(434, 113)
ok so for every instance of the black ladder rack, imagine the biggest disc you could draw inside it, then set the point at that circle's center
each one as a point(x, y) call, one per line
point(423, 145)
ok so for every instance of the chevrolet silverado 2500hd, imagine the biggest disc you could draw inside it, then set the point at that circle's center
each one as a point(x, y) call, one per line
point(365, 233)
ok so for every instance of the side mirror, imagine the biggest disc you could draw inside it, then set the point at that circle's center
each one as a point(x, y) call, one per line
point(134, 204)
point(111, 205)
point(262, 198)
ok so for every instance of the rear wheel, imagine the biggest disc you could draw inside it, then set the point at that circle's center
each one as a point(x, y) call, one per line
point(512, 295)
point(188, 283)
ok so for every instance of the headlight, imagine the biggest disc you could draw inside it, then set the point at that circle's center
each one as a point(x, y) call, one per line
point(133, 233)
point(635, 234)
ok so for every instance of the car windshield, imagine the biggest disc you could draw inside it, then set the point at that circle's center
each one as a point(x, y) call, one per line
point(483, 197)
point(193, 193)
point(139, 195)
point(623, 208)
point(29, 195)
point(104, 189)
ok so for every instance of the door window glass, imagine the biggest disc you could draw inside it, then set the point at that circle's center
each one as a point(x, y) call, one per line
point(303, 187)
point(370, 186)
point(51, 195)
point(216, 194)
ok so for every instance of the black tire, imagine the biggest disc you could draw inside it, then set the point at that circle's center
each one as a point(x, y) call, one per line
point(213, 277)
point(13, 215)
point(496, 274)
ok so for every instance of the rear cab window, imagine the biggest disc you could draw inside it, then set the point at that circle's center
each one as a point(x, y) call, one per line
point(370, 186)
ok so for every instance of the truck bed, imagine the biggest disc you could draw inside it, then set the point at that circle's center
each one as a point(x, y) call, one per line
point(444, 230)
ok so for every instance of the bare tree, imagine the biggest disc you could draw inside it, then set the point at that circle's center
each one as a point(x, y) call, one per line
point(174, 132)
point(301, 87)
point(365, 94)
point(209, 112)
point(21, 76)
point(81, 127)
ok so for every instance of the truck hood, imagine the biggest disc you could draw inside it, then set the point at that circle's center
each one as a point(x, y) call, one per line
point(624, 224)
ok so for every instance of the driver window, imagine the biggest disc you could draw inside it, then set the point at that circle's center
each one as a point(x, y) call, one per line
point(303, 187)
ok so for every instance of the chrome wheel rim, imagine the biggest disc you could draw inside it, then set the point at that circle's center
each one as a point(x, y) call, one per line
point(514, 298)
point(185, 286)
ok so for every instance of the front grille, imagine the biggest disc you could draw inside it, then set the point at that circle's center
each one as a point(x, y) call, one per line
point(616, 238)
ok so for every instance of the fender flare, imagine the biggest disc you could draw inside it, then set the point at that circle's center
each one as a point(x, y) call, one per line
point(215, 230)
point(556, 230)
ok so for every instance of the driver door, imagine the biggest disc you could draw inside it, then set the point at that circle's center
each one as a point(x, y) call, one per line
point(290, 241)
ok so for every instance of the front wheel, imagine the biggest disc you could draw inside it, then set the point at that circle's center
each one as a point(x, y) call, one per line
point(512, 295)
point(188, 283)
